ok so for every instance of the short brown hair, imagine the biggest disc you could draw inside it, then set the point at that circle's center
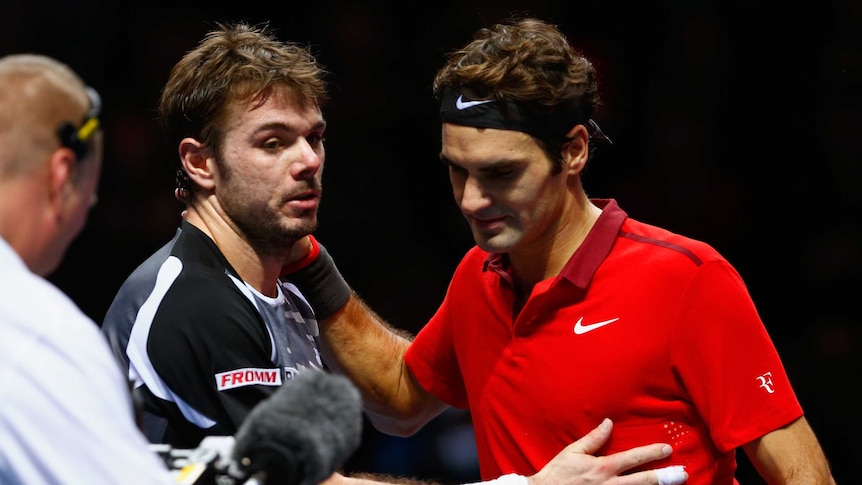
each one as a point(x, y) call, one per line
point(234, 62)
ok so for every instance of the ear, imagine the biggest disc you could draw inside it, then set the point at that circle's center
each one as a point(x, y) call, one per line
point(197, 160)
point(61, 167)
point(576, 151)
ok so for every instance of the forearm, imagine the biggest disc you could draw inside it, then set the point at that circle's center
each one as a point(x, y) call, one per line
point(790, 456)
point(356, 342)
point(374, 479)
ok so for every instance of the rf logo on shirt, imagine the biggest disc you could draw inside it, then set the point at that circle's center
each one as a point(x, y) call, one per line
point(766, 382)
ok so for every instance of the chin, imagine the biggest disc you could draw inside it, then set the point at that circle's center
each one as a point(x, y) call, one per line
point(304, 224)
point(494, 243)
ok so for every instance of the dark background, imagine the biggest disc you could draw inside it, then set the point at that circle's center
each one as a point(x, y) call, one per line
point(739, 123)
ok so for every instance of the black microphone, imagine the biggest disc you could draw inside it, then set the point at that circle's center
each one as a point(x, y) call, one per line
point(301, 434)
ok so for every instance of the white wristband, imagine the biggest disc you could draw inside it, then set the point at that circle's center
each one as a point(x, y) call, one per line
point(671, 475)
point(510, 479)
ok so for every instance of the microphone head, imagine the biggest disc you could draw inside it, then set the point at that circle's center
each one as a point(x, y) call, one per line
point(304, 432)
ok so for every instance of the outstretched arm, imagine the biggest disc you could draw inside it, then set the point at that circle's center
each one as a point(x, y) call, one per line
point(790, 455)
point(574, 465)
point(356, 342)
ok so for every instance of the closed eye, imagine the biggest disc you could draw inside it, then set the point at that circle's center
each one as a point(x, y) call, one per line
point(505, 172)
point(315, 139)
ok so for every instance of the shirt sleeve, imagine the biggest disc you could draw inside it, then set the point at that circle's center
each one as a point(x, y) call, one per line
point(727, 361)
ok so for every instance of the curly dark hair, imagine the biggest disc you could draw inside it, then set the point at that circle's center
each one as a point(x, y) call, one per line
point(529, 61)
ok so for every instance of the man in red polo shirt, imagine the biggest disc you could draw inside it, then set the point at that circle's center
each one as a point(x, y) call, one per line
point(567, 311)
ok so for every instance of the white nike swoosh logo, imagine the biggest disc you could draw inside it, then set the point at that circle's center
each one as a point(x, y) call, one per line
point(582, 329)
point(461, 104)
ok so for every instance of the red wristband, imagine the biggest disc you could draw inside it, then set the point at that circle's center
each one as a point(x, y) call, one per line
point(305, 261)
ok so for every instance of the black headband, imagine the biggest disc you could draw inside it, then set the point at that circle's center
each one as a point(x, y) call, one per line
point(508, 114)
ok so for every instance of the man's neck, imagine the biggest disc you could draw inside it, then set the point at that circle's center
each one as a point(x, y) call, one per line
point(260, 271)
point(548, 258)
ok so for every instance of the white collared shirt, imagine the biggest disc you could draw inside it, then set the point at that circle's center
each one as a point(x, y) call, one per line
point(66, 413)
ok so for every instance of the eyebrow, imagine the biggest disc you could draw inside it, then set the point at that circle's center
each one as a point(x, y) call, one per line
point(487, 166)
point(277, 125)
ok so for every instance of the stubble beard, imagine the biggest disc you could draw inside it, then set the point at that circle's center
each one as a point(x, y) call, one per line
point(268, 231)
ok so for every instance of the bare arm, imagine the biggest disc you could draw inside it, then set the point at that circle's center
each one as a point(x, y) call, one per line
point(574, 465)
point(359, 344)
point(356, 342)
point(790, 455)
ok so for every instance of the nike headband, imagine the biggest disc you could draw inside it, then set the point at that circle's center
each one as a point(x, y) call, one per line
point(508, 114)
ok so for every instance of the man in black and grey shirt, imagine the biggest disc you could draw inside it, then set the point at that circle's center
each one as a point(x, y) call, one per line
point(169, 323)
point(204, 328)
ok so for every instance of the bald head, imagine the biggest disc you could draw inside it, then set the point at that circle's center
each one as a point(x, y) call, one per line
point(50, 157)
point(38, 94)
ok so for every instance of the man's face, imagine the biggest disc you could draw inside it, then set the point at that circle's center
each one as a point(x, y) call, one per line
point(502, 182)
point(270, 169)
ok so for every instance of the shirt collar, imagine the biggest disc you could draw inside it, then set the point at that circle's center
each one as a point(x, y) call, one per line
point(581, 267)
point(597, 245)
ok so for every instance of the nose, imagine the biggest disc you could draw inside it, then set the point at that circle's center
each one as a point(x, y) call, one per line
point(473, 197)
point(309, 162)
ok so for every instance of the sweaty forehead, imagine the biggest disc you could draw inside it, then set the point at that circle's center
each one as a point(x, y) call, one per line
point(277, 108)
point(462, 144)
point(471, 138)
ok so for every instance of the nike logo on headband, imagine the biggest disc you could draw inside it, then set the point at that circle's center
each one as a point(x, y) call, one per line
point(461, 104)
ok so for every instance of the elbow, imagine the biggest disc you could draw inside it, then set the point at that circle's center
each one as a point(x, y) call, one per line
point(401, 424)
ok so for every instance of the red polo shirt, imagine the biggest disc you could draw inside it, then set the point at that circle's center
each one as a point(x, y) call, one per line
point(649, 328)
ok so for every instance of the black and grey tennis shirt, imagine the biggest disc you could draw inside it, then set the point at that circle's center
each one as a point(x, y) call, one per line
point(200, 346)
